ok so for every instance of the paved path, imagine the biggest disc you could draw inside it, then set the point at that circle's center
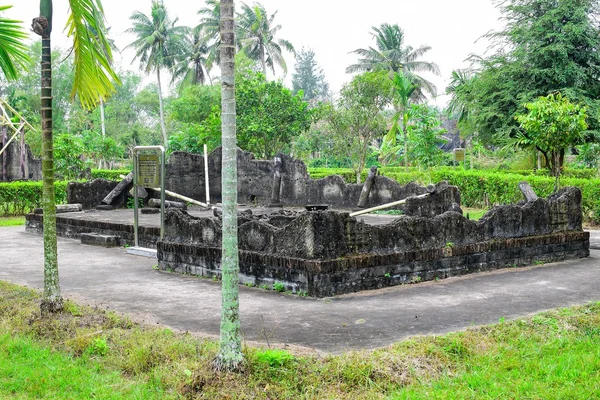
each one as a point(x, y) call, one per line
point(373, 319)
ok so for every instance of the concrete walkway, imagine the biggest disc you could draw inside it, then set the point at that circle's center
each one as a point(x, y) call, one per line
point(129, 284)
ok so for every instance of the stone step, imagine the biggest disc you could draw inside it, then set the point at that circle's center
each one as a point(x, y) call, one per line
point(142, 251)
point(96, 239)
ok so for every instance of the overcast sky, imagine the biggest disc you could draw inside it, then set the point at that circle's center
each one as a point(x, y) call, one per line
point(332, 28)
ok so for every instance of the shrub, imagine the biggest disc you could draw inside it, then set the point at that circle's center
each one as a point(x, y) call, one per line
point(18, 198)
point(109, 174)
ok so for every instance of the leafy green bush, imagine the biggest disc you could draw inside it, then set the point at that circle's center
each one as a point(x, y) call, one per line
point(109, 174)
point(18, 198)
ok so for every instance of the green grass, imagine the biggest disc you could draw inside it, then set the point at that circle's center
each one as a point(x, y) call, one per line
point(90, 353)
point(12, 221)
point(474, 213)
point(29, 369)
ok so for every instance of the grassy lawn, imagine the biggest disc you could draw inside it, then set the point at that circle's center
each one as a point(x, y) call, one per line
point(474, 213)
point(12, 221)
point(90, 353)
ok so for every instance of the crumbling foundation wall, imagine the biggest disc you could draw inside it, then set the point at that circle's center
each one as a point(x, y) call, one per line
point(328, 252)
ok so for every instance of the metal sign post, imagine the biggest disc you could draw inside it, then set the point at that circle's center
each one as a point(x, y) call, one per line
point(148, 165)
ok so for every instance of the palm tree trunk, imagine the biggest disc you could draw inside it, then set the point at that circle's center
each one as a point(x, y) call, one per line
point(230, 357)
point(262, 61)
point(163, 128)
point(405, 133)
point(52, 300)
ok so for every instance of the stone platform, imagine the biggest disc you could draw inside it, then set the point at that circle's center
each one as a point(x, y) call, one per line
point(119, 223)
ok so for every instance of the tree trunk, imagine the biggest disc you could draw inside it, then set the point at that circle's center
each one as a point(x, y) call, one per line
point(52, 300)
point(405, 133)
point(163, 128)
point(230, 357)
point(262, 61)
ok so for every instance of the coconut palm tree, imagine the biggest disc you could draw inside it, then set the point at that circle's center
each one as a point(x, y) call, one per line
point(13, 51)
point(402, 91)
point(257, 36)
point(230, 357)
point(158, 45)
point(193, 66)
point(457, 106)
point(94, 80)
point(392, 55)
point(209, 26)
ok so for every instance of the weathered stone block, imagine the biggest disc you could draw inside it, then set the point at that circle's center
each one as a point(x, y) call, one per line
point(95, 239)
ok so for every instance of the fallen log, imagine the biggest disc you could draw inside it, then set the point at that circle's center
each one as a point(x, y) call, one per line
point(388, 205)
point(181, 197)
point(120, 188)
point(155, 203)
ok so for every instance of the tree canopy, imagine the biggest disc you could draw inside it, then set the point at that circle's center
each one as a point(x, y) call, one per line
point(545, 47)
point(308, 77)
point(393, 55)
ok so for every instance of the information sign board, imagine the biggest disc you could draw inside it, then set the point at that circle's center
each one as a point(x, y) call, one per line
point(148, 170)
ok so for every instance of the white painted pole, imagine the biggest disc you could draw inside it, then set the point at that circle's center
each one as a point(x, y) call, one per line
point(206, 175)
point(388, 205)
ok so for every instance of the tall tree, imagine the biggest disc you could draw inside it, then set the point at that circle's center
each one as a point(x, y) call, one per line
point(545, 47)
point(553, 124)
point(193, 65)
point(13, 51)
point(158, 45)
point(93, 80)
point(392, 55)
point(258, 38)
point(358, 119)
point(308, 77)
point(210, 18)
point(230, 357)
point(402, 91)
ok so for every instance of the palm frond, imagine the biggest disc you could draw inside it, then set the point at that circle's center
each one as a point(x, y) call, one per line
point(94, 77)
point(13, 51)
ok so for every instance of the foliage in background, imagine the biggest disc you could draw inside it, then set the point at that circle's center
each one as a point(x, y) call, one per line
point(553, 124)
point(69, 161)
point(159, 44)
point(393, 55)
point(19, 198)
point(269, 116)
point(545, 47)
point(109, 174)
point(256, 31)
point(425, 136)
point(195, 118)
point(309, 77)
point(356, 120)
point(402, 91)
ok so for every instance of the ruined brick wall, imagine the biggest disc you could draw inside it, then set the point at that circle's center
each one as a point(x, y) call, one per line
point(329, 252)
point(185, 175)
point(321, 278)
point(90, 194)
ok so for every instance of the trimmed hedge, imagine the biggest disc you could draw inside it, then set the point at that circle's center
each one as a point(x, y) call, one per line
point(483, 189)
point(109, 174)
point(18, 198)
